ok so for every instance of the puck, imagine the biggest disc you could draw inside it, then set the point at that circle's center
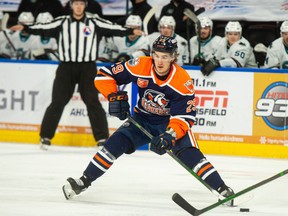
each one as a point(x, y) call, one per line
point(244, 209)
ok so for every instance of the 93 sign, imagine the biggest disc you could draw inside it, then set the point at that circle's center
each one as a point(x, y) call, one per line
point(273, 106)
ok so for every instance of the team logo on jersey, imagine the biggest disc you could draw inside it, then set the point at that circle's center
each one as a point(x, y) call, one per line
point(273, 106)
point(134, 61)
point(155, 102)
point(142, 83)
point(87, 31)
point(190, 86)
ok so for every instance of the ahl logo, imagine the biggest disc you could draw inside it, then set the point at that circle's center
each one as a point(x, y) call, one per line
point(87, 31)
point(273, 106)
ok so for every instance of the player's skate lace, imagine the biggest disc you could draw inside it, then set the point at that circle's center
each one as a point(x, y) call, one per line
point(225, 191)
point(75, 186)
point(44, 143)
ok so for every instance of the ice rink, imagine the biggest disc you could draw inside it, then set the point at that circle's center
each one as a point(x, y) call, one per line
point(140, 184)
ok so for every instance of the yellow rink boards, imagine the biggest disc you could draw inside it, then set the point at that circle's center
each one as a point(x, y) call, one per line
point(207, 147)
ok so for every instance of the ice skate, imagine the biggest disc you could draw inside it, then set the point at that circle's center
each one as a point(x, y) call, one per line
point(44, 143)
point(101, 142)
point(224, 192)
point(75, 187)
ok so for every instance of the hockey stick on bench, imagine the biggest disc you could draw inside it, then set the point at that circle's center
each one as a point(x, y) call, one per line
point(192, 16)
point(195, 212)
point(147, 18)
point(174, 157)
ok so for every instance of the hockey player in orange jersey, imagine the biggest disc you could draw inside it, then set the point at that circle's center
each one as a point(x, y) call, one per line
point(166, 109)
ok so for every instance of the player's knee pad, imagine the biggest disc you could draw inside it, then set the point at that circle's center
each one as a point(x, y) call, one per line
point(118, 144)
point(190, 156)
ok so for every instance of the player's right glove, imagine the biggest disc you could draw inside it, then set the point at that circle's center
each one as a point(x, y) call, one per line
point(209, 66)
point(163, 142)
point(118, 105)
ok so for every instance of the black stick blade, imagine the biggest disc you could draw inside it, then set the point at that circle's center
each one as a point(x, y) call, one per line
point(179, 200)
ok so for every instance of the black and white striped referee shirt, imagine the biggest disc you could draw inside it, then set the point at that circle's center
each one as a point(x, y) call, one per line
point(77, 39)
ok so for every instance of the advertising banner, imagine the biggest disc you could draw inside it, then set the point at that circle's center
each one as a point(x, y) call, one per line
point(250, 10)
point(270, 117)
point(224, 102)
point(25, 93)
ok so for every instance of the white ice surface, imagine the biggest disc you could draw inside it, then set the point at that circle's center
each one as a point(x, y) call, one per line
point(140, 184)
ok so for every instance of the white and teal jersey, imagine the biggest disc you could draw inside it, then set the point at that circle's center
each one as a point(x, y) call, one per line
point(123, 45)
point(19, 46)
point(111, 47)
point(205, 49)
point(240, 54)
point(277, 55)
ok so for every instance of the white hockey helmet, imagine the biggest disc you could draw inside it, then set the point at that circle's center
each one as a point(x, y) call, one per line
point(205, 22)
point(133, 20)
point(284, 27)
point(233, 26)
point(44, 17)
point(167, 21)
point(26, 18)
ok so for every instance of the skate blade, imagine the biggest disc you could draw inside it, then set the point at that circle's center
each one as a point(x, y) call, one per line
point(239, 200)
point(68, 192)
point(44, 147)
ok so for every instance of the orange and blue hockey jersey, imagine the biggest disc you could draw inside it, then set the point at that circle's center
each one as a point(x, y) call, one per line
point(171, 101)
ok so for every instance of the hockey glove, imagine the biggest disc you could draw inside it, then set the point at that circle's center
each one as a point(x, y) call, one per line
point(123, 57)
point(163, 142)
point(198, 61)
point(209, 66)
point(118, 105)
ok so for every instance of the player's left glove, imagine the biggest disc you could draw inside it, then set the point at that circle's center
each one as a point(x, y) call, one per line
point(209, 66)
point(163, 142)
point(118, 105)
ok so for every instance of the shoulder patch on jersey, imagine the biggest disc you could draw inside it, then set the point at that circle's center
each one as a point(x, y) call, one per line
point(190, 86)
point(142, 83)
point(134, 61)
point(242, 44)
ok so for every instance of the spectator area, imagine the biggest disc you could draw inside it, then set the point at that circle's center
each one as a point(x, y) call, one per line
point(254, 32)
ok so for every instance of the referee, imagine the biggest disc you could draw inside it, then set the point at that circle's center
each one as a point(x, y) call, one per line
point(77, 35)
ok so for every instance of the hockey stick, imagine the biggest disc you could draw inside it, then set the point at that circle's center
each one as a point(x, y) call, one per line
point(193, 211)
point(192, 16)
point(4, 22)
point(173, 156)
point(147, 18)
point(11, 44)
point(196, 21)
